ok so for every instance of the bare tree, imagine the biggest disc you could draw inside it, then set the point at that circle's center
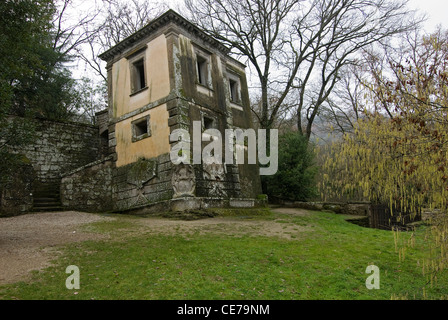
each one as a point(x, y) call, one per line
point(116, 21)
point(345, 105)
point(364, 87)
point(71, 32)
point(257, 30)
point(300, 45)
point(341, 30)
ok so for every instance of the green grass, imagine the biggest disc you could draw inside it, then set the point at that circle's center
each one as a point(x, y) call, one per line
point(326, 262)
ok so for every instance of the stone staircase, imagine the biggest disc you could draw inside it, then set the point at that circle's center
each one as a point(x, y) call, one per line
point(47, 197)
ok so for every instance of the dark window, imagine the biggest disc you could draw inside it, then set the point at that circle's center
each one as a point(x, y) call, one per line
point(138, 76)
point(208, 123)
point(233, 90)
point(104, 138)
point(140, 129)
point(202, 65)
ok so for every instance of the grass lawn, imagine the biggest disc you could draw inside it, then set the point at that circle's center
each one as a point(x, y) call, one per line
point(325, 259)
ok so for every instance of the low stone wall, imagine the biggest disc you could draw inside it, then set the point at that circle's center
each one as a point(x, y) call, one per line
point(196, 203)
point(89, 188)
point(149, 181)
point(148, 185)
point(100, 186)
point(349, 208)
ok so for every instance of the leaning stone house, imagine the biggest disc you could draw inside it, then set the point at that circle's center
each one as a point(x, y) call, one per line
point(162, 78)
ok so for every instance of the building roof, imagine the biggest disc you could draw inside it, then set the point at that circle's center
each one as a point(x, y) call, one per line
point(168, 17)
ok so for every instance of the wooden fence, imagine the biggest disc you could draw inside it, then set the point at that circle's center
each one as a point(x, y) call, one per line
point(381, 217)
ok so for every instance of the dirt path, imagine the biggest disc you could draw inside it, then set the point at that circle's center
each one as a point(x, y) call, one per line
point(31, 241)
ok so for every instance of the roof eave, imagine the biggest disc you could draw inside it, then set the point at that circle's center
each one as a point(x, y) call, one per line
point(164, 19)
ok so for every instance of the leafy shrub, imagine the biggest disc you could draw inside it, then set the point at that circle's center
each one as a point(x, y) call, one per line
point(295, 178)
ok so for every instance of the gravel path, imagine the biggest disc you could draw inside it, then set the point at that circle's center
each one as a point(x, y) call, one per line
point(29, 242)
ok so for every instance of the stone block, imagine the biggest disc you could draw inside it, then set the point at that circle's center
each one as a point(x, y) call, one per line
point(207, 203)
point(183, 204)
point(241, 203)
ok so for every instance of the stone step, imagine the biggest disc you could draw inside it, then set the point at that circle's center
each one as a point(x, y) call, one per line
point(45, 209)
point(46, 197)
point(47, 187)
point(47, 204)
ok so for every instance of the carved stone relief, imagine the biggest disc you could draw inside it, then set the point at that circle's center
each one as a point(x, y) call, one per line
point(183, 181)
point(214, 174)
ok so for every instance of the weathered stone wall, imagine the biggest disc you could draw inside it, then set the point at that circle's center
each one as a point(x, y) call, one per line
point(16, 197)
point(89, 188)
point(60, 147)
point(142, 183)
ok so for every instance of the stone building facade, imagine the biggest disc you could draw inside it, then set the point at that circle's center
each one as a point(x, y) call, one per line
point(162, 78)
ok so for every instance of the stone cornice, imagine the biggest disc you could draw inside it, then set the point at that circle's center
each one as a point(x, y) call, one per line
point(168, 17)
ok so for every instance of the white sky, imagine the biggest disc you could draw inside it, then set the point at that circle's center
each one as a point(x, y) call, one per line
point(437, 11)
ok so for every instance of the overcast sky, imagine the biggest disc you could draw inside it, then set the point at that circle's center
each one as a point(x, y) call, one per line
point(437, 11)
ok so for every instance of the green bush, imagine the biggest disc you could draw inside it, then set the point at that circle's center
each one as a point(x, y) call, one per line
point(295, 179)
